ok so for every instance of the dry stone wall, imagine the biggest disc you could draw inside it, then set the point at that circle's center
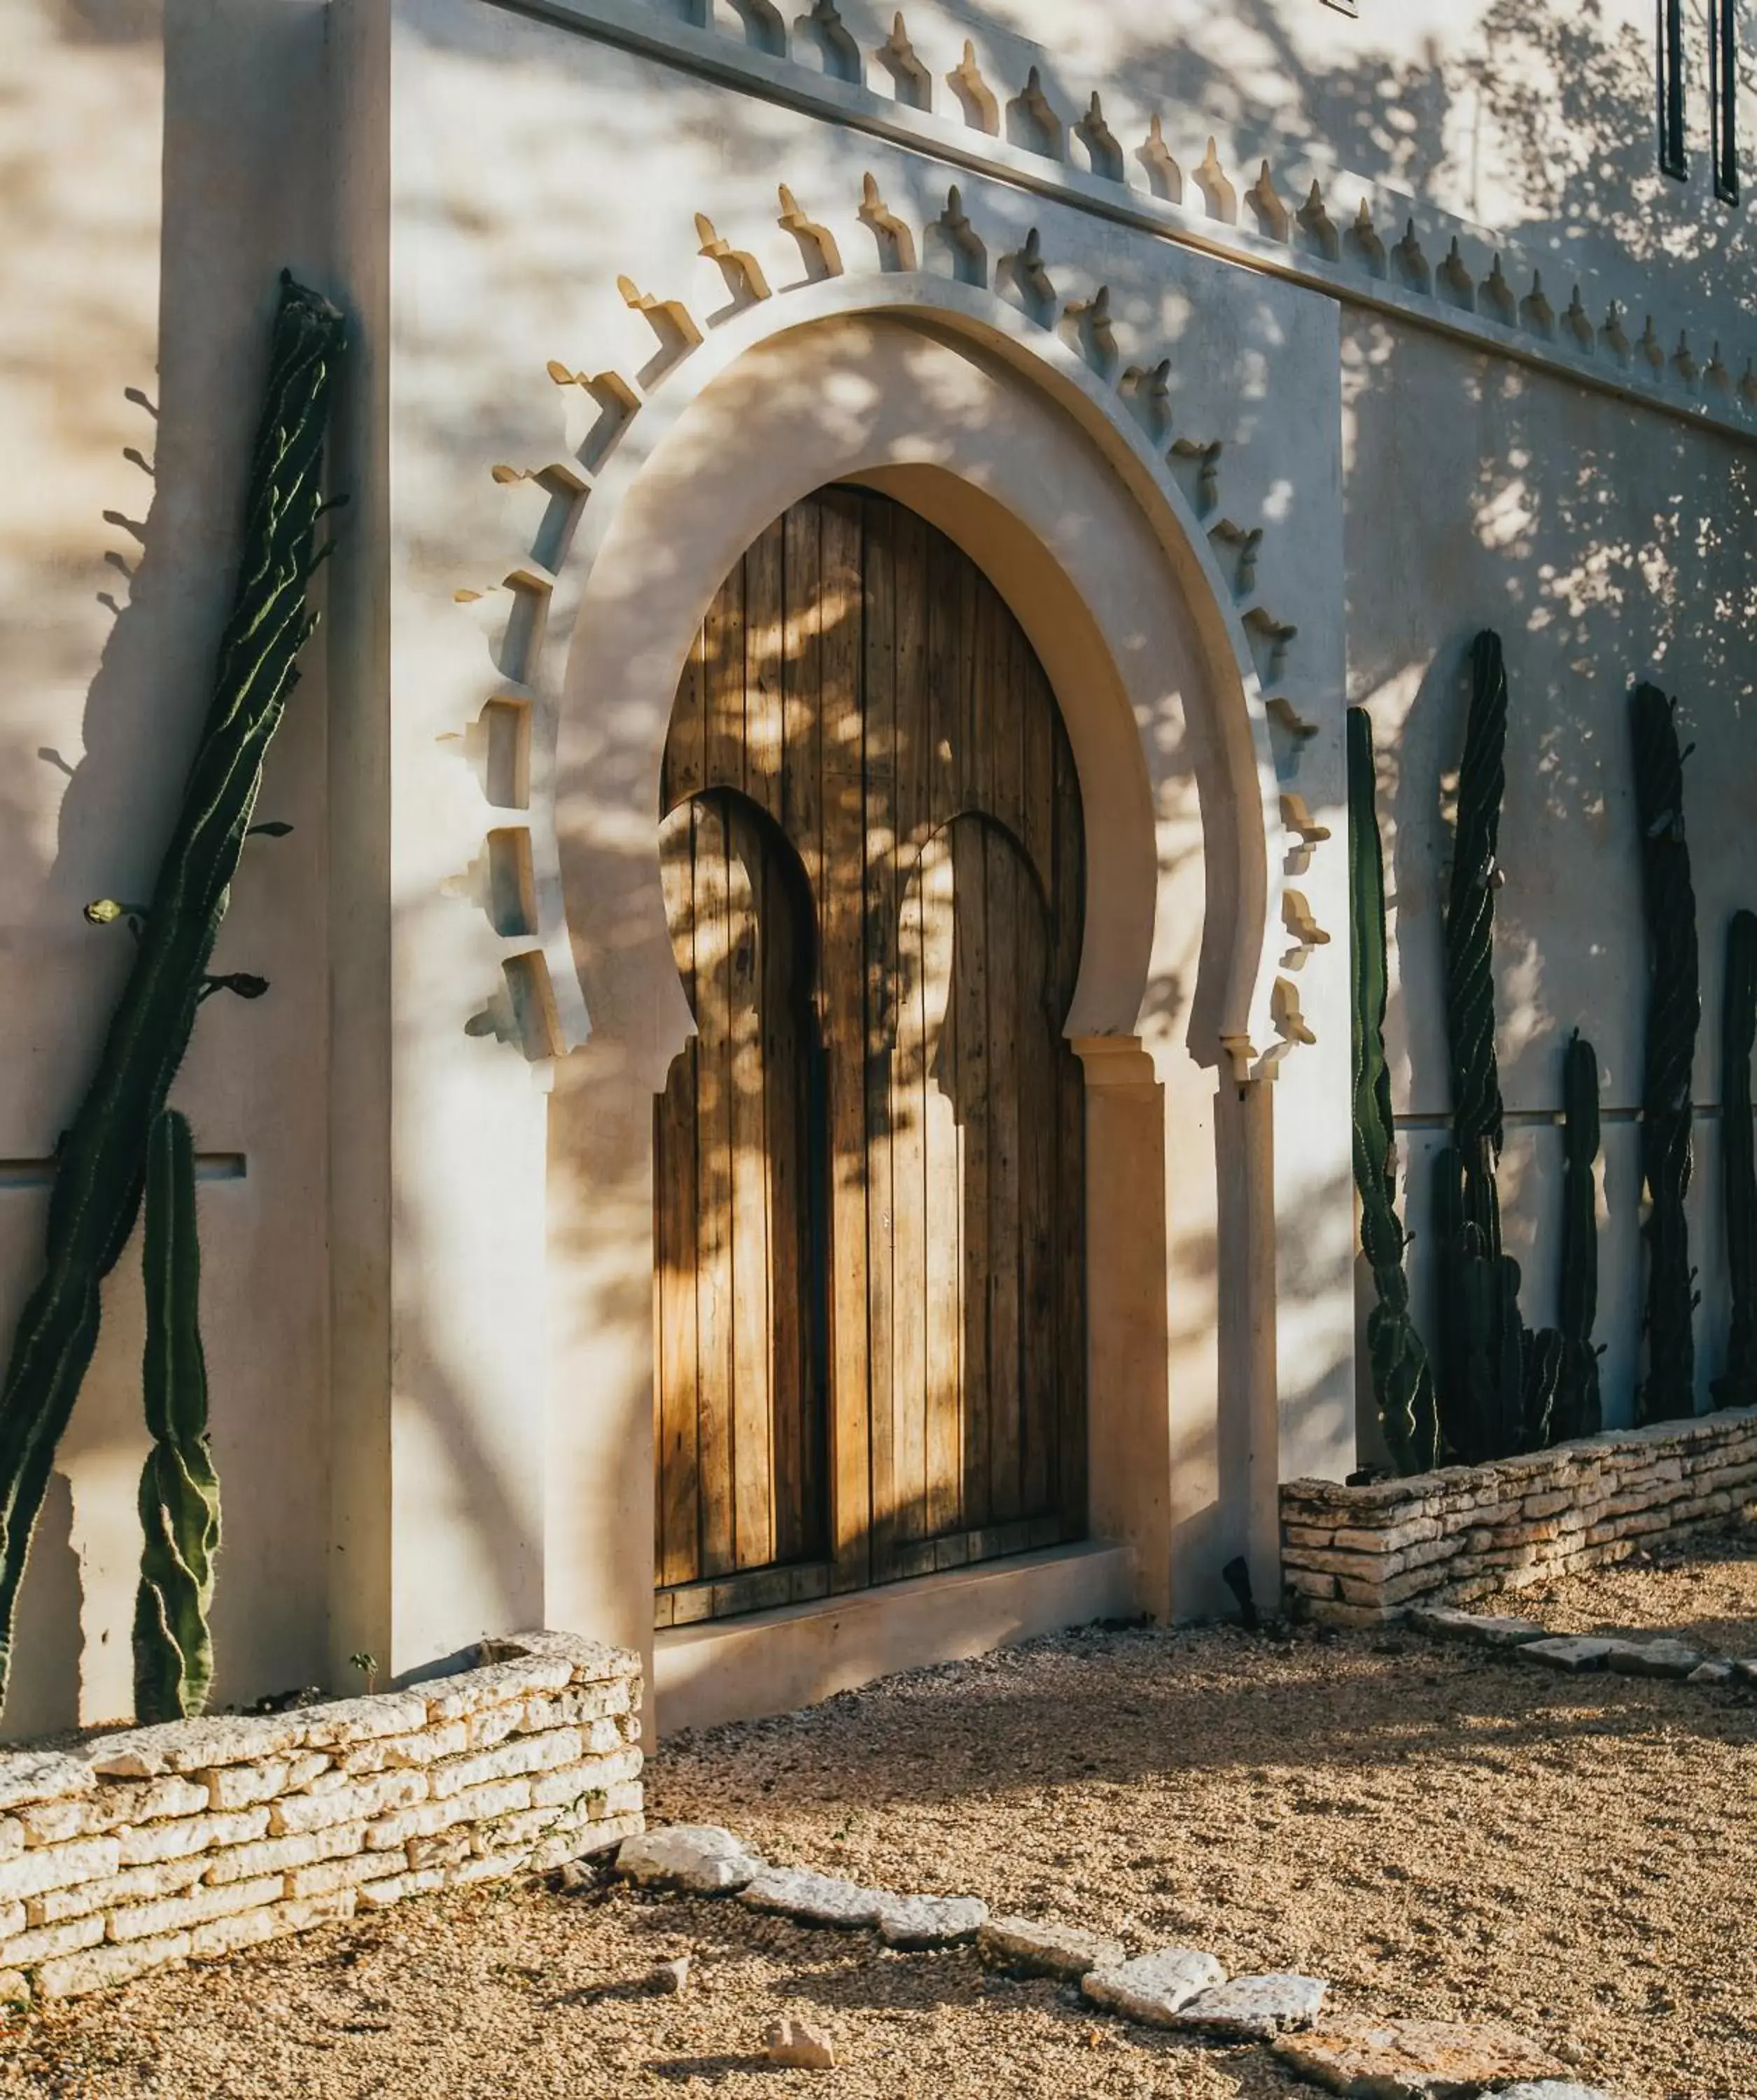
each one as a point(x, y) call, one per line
point(185, 1842)
point(1357, 1556)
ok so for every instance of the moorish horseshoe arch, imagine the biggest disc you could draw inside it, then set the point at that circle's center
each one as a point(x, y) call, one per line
point(553, 623)
point(1004, 434)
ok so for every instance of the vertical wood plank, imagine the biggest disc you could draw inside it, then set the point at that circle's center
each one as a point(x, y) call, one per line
point(878, 938)
point(764, 649)
point(843, 974)
point(797, 1468)
point(945, 1144)
point(801, 763)
point(723, 677)
point(1039, 1429)
point(1068, 929)
point(753, 1452)
point(714, 1154)
point(677, 1496)
point(971, 1082)
point(909, 1075)
point(1003, 870)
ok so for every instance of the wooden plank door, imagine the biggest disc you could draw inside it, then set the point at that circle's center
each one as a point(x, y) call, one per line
point(869, 1162)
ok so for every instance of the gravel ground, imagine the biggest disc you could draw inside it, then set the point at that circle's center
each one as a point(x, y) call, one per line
point(1440, 1831)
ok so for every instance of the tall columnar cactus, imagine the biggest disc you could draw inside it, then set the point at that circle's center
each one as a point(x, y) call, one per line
point(179, 1490)
point(102, 1156)
point(1578, 1410)
point(1674, 1011)
point(1402, 1381)
point(1736, 1386)
point(1498, 1380)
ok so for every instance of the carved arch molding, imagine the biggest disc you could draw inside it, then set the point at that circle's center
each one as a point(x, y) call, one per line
point(1003, 294)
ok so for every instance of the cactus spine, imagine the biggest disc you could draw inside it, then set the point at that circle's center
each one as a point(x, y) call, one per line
point(1402, 1380)
point(1578, 1410)
point(102, 1160)
point(1674, 1011)
point(1736, 1386)
point(179, 1490)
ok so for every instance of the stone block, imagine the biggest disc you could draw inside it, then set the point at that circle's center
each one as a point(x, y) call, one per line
point(699, 1859)
point(1654, 1658)
point(1446, 1623)
point(150, 1842)
point(591, 1662)
point(917, 1921)
point(494, 1685)
point(575, 1706)
point(1573, 1654)
point(226, 1935)
point(1154, 1988)
point(446, 1848)
point(14, 1988)
point(1255, 2008)
point(522, 1754)
point(281, 1855)
point(194, 1746)
point(812, 1899)
point(14, 1917)
point(1307, 1534)
point(98, 1967)
point(33, 1776)
point(356, 1800)
point(492, 1724)
point(496, 1867)
point(569, 1783)
point(1306, 1583)
point(424, 1747)
point(1048, 1950)
point(1354, 2054)
point(143, 1920)
point(118, 1801)
point(133, 1885)
point(341, 1723)
point(244, 1786)
point(798, 2045)
point(27, 1949)
point(380, 1895)
point(346, 1873)
point(56, 1866)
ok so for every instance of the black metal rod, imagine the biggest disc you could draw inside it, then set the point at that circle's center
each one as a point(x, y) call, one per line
point(1724, 95)
point(1672, 159)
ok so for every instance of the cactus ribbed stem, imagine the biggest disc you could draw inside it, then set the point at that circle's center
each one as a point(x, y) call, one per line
point(1674, 1012)
point(179, 1489)
point(1402, 1381)
point(1736, 1386)
point(102, 1159)
point(1476, 1113)
point(1578, 1412)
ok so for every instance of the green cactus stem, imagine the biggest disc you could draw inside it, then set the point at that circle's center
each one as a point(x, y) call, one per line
point(1402, 1381)
point(179, 1489)
point(1736, 1385)
point(102, 1159)
point(1578, 1412)
point(1674, 1012)
point(1481, 1371)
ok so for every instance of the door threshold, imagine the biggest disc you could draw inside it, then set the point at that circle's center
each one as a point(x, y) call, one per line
point(778, 1660)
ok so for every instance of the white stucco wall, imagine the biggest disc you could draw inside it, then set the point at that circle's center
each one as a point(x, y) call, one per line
point(1606, 548)
point(388, 1345)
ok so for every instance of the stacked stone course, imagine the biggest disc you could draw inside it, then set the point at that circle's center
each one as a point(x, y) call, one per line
point(1360, 1556)
point(185, 1842)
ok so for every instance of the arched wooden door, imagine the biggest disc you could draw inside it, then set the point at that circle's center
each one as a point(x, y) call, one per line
point(869, 1161)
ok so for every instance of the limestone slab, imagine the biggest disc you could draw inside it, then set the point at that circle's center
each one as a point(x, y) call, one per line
point(1366, 2059)
point(1570, 1653)
point(698, 1857)
point(1655, 1658)
point(1048, 1950)
point(1255, 2008)
point(1711, 1672)
point(923, 1921)
point(798, 2045)
point(814, 1898)
point(1445, 1623)
point(29, 1776)
point(1552, 2089)
point(1154, 1988)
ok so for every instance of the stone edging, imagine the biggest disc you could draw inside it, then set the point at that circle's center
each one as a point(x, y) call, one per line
point(1185, 1989)
point(185, 1842)
point(1360, 1556)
